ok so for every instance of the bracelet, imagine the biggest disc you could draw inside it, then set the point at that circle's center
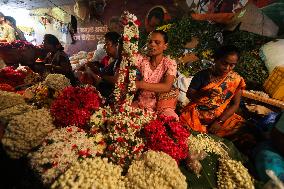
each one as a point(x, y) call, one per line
point(220, 121)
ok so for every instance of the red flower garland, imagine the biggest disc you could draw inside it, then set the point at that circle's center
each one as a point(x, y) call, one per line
point(167, 135)
point(6, 87)
point(74, 106)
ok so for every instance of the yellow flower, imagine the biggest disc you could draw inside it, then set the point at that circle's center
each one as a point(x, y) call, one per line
point(165, 28)
point(207, 54)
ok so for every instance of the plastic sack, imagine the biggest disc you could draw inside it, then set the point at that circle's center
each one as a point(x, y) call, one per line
point(272, 54)
point(267, 122)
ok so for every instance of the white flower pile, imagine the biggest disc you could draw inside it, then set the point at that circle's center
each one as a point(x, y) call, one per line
point(61, 148)
point(93, 173)
point(130, 48)
point(232, 174)
point(9, 99)
point(56, 82)
point(26, 131)
point(203, 142)
point(7, 114)
point(155, 170)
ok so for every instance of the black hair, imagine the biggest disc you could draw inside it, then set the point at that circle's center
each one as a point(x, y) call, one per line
point(163, 33)
point(157, 12)
point(10, 19)
point(113, 37)
point(52, 40)
point(226, 50)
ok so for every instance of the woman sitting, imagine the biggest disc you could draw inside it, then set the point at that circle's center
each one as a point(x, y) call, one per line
point(158, 73)
point(57, 60)
point(105, 73)
point(215, 95)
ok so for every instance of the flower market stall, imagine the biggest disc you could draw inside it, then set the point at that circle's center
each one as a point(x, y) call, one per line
point(59, 135)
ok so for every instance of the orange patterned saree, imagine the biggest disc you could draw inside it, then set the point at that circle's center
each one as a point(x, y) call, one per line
point(199, 115)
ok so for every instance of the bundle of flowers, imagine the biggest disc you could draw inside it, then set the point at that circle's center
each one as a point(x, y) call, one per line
point(7, 114)
point(124, 125)
point(56, 82)
point(31, 77)
point(203, 142)
point(91, 173)
point(127, 65)
point(75, 105)
point(9, 99)
point(11, 76)
point(26, 131)
point(40, 95)
point(61, 148)
point(167, 135)
point(6, 87)
point(232, 174)
point(155, 170)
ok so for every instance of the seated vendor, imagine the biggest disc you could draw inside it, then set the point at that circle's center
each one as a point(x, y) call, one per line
point(105, 73)
point(215, 95)
point(7, 33)
point(18, 33)
point(57, 60)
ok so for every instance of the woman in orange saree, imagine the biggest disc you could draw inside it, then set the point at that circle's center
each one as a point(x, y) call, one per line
point(215, 95)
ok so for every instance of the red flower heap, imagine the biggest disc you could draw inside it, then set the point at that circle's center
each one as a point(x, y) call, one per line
point(74, 106)
point(167, 135)
point(12, 77)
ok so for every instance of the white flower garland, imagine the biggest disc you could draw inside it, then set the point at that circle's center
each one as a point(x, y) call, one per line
point(56, 82)
point(25, 132)
point(9, 99)
point(7, 114)
point(62, 148)
point(123, 127)
point(130, 48)
point(91, 173)
point(155, 170)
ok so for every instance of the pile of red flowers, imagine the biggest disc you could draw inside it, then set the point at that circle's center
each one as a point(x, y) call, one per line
point(74, 106)
point(18, 44)
point(167, 135)
point(12, 77)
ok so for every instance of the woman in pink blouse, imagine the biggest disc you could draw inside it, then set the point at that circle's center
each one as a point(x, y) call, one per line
point(158, 72)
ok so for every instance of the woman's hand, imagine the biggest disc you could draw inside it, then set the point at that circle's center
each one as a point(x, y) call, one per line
point(214, 127)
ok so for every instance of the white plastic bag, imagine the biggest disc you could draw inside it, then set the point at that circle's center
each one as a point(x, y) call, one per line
point(272, 54)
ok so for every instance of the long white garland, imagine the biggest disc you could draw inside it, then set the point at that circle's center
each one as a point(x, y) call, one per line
point(130, 48)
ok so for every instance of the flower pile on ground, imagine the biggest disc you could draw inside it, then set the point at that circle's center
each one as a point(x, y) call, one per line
point(31, 77)
point(232, 174)
point(61, 148)
point(6, 87)
point(7, 114)
point(91, 173)
point(39, 95)
point(127, 71)
point(167, 135)
point(56, 82)
point(26, 131)
point(9, 99)
point(155, 170)
point(42, 94)
point(11, 76)
point(75, 105)
point(123, 129)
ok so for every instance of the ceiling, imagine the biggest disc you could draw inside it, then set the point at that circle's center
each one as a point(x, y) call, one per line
point(33, 4)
